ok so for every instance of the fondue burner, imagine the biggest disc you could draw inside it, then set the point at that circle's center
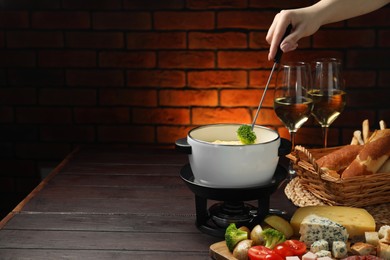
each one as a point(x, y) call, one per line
point(231, 208)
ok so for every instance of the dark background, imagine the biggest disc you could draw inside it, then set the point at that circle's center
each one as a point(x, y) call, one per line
point(144, 72)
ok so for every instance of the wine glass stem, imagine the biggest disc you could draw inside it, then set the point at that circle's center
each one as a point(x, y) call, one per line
point(291, 171)
point(325, 135)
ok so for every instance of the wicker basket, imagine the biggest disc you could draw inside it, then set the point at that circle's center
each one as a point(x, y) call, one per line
point(359, 191)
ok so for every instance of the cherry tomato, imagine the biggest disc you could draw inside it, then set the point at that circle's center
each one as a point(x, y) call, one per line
point(290, 248)
point(283, 250)
point(262, 253)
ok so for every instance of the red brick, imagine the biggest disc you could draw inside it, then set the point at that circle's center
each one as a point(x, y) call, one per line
point(202, 116)
point(352, 117)
point(18, 96)
point(6, 114)
point(259, 78)
point(134, 59)
point(92, 4)
point(186, 59)
point(156, 40)
point(69, 97)
point(183, 20)
point(153, 4)
point(188, 97)
point(257, 41)
point(216, 4)
point(177, 116)
point(245, 19)
point(27, 4)
point(245, 97)
point(122, 20)
point(145, 98)
point(14, 19)
point(217, 78)
point(42, 151)
point(224, 40)
point(344, 38)
point(243, 59)
point(95, 40)
point(155, 78)
point(359, 78)
point(384, 79)
point(266, 117)
point(378, 18)
point(311, 55)
point(132, 134)
point(92, 78)
point(368, 59)
point(40, 115)
point(384, 114)
point(368, 98)
point(169, 134)
point(279, 4)
point(11, 58)
point(36, 77)
point(67, 133)
point(101, 115)
point(384, 38)
point(67, 58)
point(34, 39)
point(60, 20)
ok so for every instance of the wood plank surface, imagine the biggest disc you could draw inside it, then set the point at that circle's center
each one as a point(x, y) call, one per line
point(103, 203)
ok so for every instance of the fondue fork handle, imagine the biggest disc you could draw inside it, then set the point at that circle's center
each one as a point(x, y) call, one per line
point(277, 58)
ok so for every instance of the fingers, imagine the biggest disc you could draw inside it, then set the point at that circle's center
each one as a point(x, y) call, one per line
point(276, 32)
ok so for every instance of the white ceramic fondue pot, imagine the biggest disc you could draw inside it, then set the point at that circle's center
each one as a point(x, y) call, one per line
point(232, 166)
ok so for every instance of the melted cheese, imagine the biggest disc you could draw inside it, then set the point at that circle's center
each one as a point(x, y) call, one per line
point(355, 220)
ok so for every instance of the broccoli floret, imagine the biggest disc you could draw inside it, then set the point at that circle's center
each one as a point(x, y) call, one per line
point(233, 235)
point(246, 134)
point(272, 237)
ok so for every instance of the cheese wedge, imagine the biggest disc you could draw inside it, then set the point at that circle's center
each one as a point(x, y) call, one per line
point(355, 220)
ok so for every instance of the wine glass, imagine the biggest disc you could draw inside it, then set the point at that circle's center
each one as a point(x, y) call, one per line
point(327, 93)
point(291, 102)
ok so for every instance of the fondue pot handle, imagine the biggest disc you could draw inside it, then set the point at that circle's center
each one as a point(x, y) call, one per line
point(183, 146)
point(285, 147)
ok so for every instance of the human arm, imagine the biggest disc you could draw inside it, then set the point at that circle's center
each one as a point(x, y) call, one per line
point(306, 21)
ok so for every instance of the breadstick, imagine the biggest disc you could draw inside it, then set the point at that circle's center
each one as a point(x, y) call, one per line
point(354, 141)
point(366, 130)
point(358, 135)
point(382, 125)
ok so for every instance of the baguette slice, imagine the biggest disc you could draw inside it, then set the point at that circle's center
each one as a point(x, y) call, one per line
point(340, 159)
point(370, 159)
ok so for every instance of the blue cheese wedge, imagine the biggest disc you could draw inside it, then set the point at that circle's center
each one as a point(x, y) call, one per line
point(314, 228)
point(324, 253)
point(319, 245)
point(339, 249)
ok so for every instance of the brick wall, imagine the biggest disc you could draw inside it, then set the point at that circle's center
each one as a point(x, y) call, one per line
point(144, 72)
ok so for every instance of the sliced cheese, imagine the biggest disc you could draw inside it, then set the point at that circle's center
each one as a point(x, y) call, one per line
point(355, 220)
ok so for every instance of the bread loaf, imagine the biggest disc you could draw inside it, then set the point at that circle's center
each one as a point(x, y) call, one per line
point(370, 159)
point(385, 167)
point(340, 159)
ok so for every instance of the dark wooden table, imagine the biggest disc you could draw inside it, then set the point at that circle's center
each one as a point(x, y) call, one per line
point(111, 204)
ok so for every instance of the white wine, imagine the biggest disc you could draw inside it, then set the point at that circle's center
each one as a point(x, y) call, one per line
point(327, 106)
point(292, 113)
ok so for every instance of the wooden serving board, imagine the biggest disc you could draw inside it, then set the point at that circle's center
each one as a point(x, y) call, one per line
point(219, 251)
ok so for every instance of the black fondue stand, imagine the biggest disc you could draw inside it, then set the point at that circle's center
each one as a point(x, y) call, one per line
point(232, 209)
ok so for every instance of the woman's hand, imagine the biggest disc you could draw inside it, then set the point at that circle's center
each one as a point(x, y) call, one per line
point(304, 23)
